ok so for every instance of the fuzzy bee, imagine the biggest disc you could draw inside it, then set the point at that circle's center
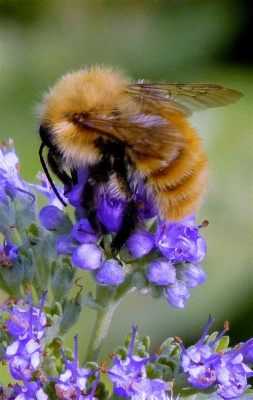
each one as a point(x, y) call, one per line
point(118, 129)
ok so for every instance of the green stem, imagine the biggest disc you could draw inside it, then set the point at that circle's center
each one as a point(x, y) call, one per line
point(102, 325)
point(108, 301)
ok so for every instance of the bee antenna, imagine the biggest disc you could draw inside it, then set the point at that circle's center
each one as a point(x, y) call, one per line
point(44, 166)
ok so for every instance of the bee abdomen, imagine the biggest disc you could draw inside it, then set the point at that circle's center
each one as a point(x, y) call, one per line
point(180, 186)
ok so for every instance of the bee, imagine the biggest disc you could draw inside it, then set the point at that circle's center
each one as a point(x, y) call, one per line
point(119, 130)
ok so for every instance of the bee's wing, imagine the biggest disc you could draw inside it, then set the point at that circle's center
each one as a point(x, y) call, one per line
point(143, 133)
point(186, 98)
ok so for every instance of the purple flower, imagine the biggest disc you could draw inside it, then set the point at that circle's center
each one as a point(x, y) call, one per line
point(10, 179)
point(26, 320)
point(24, 358)
point(232, 373)
point(65, 245)
point(192, 274)
point(51, 217)
point(31, 391)
point(27, 325)
point(145, 202)
point(140, 244)
point(248, 351)
point(128, 374)
point(8, 253)
point(150, 389)
point(177, 294)
point(180, 241)
point(83, 232)
point(75, 193)
point(111, 273)
point(46, 190)
point(161, 272)
point(206, 367)
point(110, 212)
point(232, 378)
point(200, 361)
point(88, 256)
point(72, 382)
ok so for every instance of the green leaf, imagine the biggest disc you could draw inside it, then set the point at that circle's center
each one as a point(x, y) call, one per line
point(212, 337)
point(55, 308)
point(54, 328)
point(7, 217)
point(27, 263)
point(43, 257)
point(25, 211)
point(91, 302)
point(223, 343)
point(62, 279)
point(71, 312)
point(155, 373)
point(121, 351)
point(2, 352)
point(92, 365)
point(146, 342)
point(12, 278)
point(48, 366)
point(34, 230)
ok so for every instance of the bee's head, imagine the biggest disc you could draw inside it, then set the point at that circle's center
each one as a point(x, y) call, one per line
point(76, 99)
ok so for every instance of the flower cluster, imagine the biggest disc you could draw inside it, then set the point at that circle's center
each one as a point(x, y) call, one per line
point(11, 187)
point(170, 252)
point(27, 326)
point(160, 257)
point(30, 391)
point(26, 355)
point(10, 180)
point(134, 374)
point(129, 376)
point(72, 383)
point(207, 364)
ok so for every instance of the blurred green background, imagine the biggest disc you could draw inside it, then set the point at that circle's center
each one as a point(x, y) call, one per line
point(180, 40)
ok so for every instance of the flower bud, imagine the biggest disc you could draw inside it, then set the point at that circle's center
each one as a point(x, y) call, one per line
point(177, 294)
point(111, 273)
point(161, 272)
point(88, 256)
point(140, 244)
point(54, 219)
point(83, 232)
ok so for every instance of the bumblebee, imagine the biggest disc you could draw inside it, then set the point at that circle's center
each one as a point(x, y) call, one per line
point(120, 130)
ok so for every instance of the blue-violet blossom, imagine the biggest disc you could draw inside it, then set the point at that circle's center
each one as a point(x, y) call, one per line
point(206, 366)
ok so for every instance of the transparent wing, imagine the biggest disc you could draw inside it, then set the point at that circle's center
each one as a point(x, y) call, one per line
point(143, 133)
point(186, 98)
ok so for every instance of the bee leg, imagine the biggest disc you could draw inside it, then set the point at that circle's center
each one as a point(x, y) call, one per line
point(89, 204)
point(129, 222)
point(99, 174)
